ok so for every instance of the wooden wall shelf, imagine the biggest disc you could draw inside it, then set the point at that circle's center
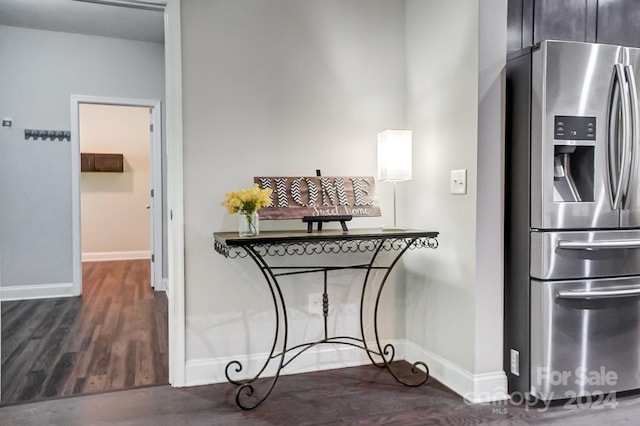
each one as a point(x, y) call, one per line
point(92, 162)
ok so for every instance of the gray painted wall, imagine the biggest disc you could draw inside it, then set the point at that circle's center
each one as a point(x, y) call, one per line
point(442, 106)
point(39, 70)
point(278, 88)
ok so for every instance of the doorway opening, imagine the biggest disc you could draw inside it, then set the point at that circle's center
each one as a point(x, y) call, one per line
point(117, 215)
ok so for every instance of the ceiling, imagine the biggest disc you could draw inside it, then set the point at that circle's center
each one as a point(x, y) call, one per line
point(131, 19)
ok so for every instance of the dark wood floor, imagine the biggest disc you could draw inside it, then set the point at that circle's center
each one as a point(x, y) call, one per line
point(113, 337)
point(61, 347)
point(351, 396)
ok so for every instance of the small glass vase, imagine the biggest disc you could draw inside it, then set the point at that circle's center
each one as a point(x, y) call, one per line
point(249, 225)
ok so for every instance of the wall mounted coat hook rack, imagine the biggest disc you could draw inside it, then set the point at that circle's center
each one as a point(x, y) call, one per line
point(47, 134)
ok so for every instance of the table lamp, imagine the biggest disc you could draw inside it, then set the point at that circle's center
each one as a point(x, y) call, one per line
point(394, 162)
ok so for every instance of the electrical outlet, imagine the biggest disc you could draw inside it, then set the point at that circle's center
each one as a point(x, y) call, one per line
point(315, 304)
point(515, 362)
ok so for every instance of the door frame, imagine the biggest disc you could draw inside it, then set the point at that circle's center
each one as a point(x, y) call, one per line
point(155, 162)
point(176, 294)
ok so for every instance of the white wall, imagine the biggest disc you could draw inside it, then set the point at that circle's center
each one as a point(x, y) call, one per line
point(455, 55)
point(442, 89)
point(290, 86)
point(39, 70)
point(277, 88)
point(489, 295)
point(114, 218)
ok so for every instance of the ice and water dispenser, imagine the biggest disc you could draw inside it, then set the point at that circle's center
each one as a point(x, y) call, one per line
point(573, 158)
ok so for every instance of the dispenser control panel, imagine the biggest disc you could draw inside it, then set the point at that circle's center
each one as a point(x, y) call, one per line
point(568, 127)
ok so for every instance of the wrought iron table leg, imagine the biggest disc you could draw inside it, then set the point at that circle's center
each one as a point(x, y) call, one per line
point(246, 388)
point(362, 297)
point(388, 352)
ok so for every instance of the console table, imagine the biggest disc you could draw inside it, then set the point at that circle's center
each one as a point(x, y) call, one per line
point(269, 245)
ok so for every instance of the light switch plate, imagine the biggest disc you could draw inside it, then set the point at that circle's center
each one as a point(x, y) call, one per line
point(459, 181)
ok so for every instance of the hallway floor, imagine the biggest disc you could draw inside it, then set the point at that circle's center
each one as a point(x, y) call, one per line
point(113, 337)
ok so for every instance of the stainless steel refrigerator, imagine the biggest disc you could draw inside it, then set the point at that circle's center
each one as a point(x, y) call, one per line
point(572, 240)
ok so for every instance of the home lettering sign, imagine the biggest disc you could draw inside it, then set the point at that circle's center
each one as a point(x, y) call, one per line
point(297, 197)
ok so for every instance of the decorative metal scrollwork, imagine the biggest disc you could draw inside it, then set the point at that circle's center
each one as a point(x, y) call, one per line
point(298, 248)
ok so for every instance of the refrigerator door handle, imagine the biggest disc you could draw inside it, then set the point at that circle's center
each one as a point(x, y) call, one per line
point(598, 245)
point(632, 93)
point(599, 294)
point(617, 133)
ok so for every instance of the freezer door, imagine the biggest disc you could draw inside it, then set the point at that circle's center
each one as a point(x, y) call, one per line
point(585, 337)
point(585, 254)
point(630, 212)
point(573, 86)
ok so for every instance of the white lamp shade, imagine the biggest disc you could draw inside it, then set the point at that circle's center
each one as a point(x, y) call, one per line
point(394, 155)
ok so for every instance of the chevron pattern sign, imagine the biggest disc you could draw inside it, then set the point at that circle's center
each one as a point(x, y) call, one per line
point(297, 197)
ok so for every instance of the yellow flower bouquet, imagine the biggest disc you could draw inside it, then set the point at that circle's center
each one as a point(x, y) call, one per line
point(248, 201)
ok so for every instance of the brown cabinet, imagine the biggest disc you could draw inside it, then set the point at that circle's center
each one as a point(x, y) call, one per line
point(91, 162)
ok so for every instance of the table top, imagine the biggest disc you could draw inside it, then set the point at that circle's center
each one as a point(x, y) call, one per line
point(278, 237)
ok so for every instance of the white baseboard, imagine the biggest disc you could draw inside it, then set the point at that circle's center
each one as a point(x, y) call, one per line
point(475, 388)
point(102, 256)
point(162, 286)
point(323, 357)
point(36, 291)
